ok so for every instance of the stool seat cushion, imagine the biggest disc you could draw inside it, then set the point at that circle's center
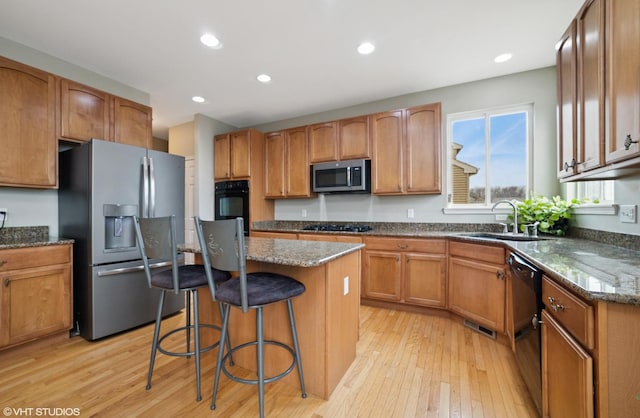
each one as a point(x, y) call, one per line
point(262, 289)
point(189, 277)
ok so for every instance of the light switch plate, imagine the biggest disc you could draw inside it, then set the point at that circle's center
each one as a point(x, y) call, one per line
point(628, 213)
point(346, 285)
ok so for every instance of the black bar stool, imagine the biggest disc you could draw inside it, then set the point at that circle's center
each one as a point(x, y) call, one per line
point(157, 243)
point(222, 246)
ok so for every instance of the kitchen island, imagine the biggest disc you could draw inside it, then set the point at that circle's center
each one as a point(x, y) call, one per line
point(327, 313)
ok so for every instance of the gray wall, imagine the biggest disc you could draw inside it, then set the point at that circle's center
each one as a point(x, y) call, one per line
point(32, 207)
point(537, 87)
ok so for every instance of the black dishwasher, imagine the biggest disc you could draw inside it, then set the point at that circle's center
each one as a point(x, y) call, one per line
point(526, 293)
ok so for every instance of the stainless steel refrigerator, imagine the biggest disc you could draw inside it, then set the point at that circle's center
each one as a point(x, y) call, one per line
point(102, 185)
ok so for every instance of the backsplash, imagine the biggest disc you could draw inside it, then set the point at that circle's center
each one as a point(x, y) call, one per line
point(630, 242)
point(24, 233)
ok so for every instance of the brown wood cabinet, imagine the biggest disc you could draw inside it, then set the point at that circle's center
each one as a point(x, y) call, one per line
point(87, 113)
point(477, 284)
point(84, 112)
point(567, 81)
point(233, 153)
point(623, 80)
point(599, 92)
point(287, 164)
point(567, 366)
point(411, 271)
point(131, 123)
point(35, 294)
point(567, 373)
point(345, 139)
point(590, 87)
point(407, 151)
point(27, 126)
point(580, 68)
point(323, 142)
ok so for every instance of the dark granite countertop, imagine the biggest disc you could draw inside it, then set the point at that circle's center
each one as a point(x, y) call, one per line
point(29, 236)
point(593, 269)
point(289, 252)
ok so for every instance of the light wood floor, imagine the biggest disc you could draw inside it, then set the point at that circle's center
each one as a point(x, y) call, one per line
point(407, 365)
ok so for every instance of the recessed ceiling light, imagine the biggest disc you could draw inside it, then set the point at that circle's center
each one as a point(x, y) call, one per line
point(264, 78)
point(210, 41)
point(198, 99)
point(366, 48)
point(502, 58)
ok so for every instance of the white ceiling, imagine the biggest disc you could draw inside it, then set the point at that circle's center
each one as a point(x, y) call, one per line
point(307, 46)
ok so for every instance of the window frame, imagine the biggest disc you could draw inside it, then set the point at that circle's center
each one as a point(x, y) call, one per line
point(487, 113)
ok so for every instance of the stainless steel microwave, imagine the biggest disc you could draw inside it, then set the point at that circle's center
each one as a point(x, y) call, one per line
point(350, 176)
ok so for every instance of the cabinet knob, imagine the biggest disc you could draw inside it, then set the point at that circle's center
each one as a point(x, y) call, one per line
point(501, 275)
point(567, 166)
point(628, 141)
point(3, 262)
point(556, 307)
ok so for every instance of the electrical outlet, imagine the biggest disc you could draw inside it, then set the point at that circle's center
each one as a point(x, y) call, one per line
point(628, 213)
point(345, 283)
point(502, 217)
point(410, 213)
point(304, 213)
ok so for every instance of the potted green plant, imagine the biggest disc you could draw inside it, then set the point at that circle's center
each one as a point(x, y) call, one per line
point(553, 214)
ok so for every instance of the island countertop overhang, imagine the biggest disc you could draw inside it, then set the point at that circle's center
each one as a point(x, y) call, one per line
point(298, 253)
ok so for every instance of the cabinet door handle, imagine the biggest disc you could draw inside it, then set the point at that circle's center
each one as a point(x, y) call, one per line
point(567, 166)
point(535, 321)
point(628, 141)
point(3, 262)
point(7, 281)
point(403, 246)
point(501, 275)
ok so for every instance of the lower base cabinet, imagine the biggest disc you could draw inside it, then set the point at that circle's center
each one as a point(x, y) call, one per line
point(567, 373)
point(411, 271)
point(477, 284)
point(35, 293)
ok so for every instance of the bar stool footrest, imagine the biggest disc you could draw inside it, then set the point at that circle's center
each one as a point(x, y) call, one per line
point(187, 353)
point(266, 379)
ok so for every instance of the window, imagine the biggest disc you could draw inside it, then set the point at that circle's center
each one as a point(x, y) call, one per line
point(489, 155)
point(594, 191)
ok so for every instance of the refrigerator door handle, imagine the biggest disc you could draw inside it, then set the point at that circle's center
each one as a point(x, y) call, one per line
point(140, 267)
point(145, 189)
point(152, 190)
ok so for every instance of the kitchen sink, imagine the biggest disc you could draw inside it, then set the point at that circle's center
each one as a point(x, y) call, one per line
point(503, 236)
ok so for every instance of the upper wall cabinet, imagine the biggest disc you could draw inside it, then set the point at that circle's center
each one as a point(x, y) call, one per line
point(287, 164)
point(233, 153)
point(580, 59)
point(84, 112)
point(407, 151)
point(87, 113)
point(131, 123)
point(566, 69)
point(27, 126)
point(623, 80)
point(599, 92)
point(345, 139)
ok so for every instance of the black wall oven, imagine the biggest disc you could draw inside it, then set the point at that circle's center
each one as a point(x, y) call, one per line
point(232, 201)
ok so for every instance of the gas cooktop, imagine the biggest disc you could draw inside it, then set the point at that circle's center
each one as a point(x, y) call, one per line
point(338, 228)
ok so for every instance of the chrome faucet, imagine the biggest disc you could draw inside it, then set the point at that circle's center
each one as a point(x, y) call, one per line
point(515, 213)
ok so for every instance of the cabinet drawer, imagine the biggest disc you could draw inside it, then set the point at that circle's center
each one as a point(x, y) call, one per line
point(480, 252)
point(574, 314)
point(435, 246)
point(20, 258)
